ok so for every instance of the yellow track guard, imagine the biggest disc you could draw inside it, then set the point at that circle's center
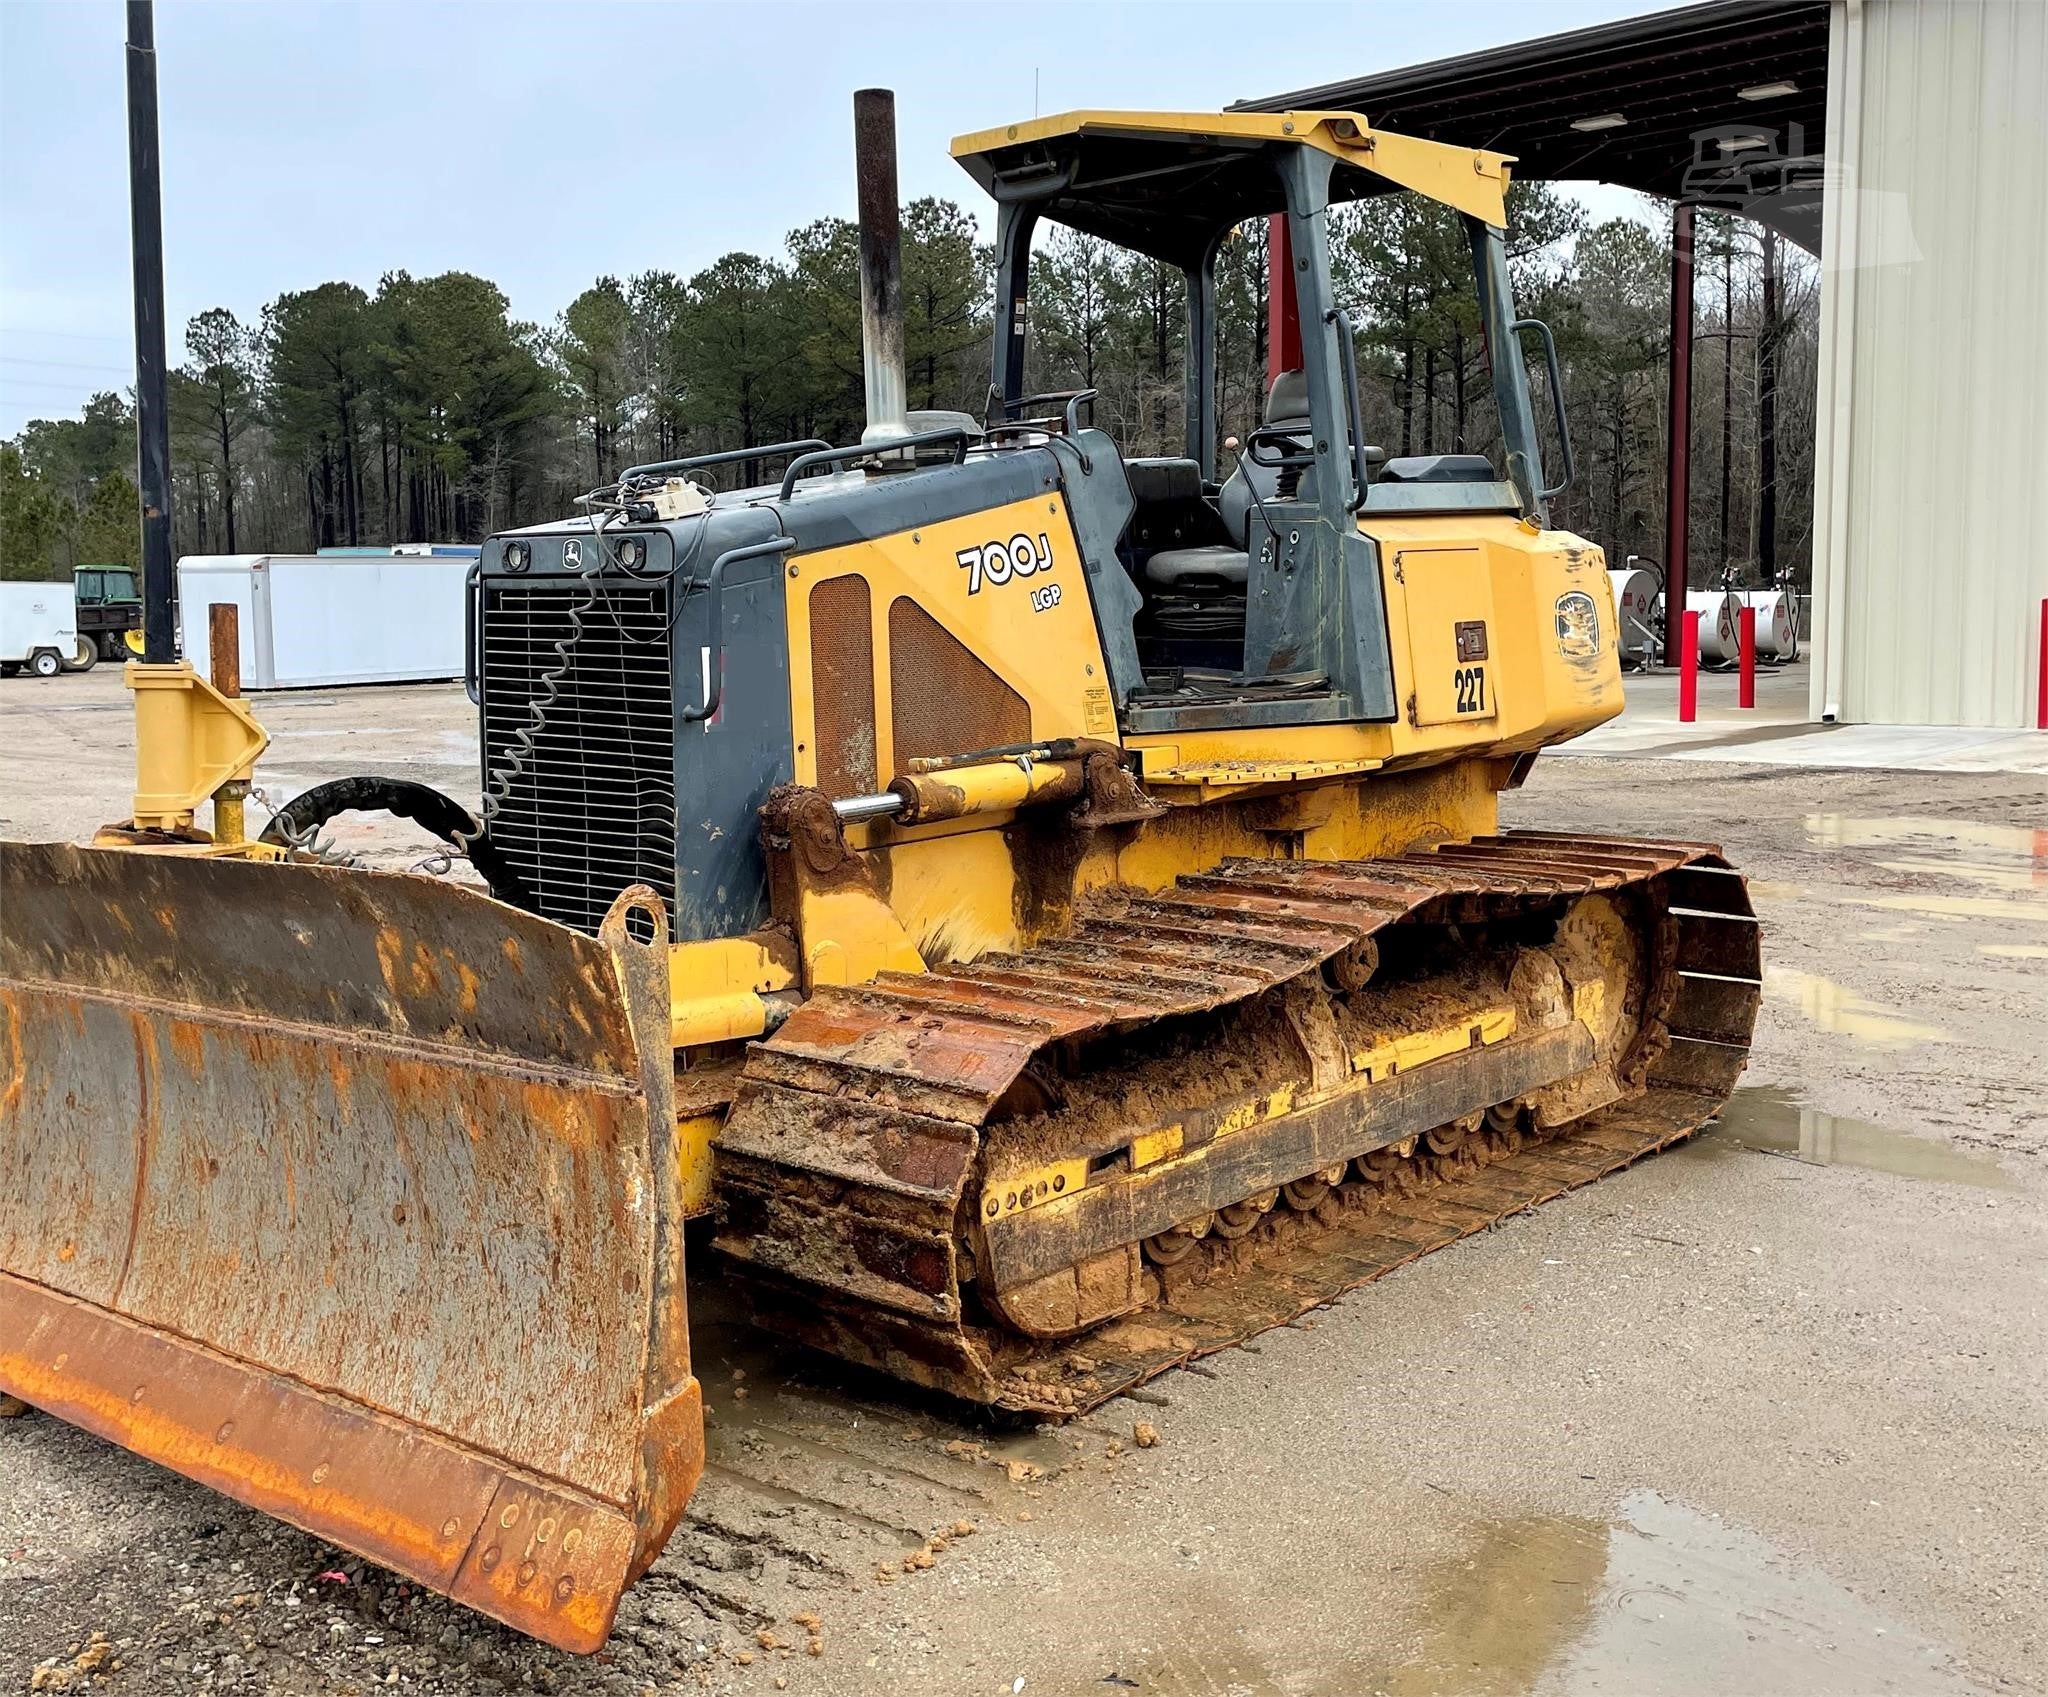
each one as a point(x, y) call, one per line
point(354, 1196)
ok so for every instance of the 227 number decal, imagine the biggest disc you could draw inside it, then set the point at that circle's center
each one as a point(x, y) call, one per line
point(1001, 562)
point(1470, 682)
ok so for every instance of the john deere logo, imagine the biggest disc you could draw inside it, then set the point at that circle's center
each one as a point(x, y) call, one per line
point(572, 554)
point(1578, 624)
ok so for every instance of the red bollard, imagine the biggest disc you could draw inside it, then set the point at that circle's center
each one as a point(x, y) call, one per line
point(1746, 690)
point(1689, 668)
point(2041, 711)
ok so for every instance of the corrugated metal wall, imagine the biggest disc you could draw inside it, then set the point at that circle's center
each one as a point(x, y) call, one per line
point(1931, 494)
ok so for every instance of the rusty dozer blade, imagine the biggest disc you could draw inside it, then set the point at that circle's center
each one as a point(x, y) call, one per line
point(354, 1196)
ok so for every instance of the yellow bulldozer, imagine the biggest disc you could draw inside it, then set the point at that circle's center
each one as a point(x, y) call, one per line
point(1043, 909)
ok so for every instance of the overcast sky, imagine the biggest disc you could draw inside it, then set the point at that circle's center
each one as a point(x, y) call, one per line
point(543, 145)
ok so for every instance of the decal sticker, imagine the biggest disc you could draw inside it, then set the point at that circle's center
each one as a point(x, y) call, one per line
point(1000, 562)
point(1578, 624)
point(1470, 683)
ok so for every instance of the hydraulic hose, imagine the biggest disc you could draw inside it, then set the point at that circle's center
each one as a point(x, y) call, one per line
point(424, 805)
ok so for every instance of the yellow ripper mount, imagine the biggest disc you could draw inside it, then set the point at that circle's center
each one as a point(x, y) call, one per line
point(191, 738)
point(404, 1158)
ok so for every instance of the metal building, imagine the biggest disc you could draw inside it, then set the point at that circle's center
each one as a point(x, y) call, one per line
point(1930, 555)
point(1906, 141)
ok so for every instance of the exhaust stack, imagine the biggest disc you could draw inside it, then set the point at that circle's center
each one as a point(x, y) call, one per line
point(881, 265)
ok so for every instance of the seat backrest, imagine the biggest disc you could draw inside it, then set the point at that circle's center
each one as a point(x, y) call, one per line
point(1286, 405)
point(1287, 399)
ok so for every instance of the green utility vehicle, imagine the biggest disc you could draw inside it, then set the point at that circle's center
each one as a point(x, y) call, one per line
point(109, 607)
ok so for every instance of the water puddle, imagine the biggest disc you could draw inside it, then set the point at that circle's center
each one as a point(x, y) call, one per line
point(2008, 858)
point(1972, 872)
point(2020, 848)
point(1661, 1600)
point(1959, 907)
point(1831, 1007)
point(1759, 1117)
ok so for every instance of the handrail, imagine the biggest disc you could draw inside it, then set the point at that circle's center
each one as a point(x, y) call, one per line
point(1074, 399)
point(1361, 465)
point(714, 581)
point(1564, 434)
point(894, 445)
point(1261, 435)
point(472, 587)
point(725, 456)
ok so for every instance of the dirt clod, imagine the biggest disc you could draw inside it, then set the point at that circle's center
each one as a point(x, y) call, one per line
point(1144, 1434)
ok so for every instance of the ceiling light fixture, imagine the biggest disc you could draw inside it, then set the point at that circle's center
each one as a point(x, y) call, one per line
point(1767, 91)
point(1605, 121)
point(1743, 144)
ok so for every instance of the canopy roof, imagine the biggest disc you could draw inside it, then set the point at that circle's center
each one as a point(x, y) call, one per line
point(1166, 184)
point(1723, 103)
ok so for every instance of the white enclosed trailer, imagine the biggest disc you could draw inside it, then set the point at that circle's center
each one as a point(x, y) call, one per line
point(38, 628)
point(311, 620)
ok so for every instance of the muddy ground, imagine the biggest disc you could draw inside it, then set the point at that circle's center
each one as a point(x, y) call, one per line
point(1766, 1414)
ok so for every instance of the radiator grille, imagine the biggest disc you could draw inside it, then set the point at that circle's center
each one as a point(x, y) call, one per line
point(592, 808)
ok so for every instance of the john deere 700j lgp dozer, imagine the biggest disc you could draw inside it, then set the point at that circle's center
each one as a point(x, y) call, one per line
point(1046, 907)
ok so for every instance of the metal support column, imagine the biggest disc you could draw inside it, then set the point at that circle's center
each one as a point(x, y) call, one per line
point(1767, 420)
point(1678, 436)
point(152, 421)
point(1283, 311)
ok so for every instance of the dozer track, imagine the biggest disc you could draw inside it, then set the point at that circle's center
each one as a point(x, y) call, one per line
point(1038, 1179)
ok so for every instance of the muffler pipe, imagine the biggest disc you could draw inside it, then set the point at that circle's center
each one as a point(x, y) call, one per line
point(881, 265)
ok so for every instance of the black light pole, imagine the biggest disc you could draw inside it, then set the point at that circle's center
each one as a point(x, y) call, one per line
point(152, 419)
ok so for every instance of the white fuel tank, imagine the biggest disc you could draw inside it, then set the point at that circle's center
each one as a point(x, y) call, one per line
point(1719, 632)
point(1636, 593)
point(1777, 621)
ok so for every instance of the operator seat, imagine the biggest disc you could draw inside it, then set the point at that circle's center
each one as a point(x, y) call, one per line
point(1222, 568)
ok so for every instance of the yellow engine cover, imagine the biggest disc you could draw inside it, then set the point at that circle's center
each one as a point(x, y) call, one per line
point(1503, 636)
